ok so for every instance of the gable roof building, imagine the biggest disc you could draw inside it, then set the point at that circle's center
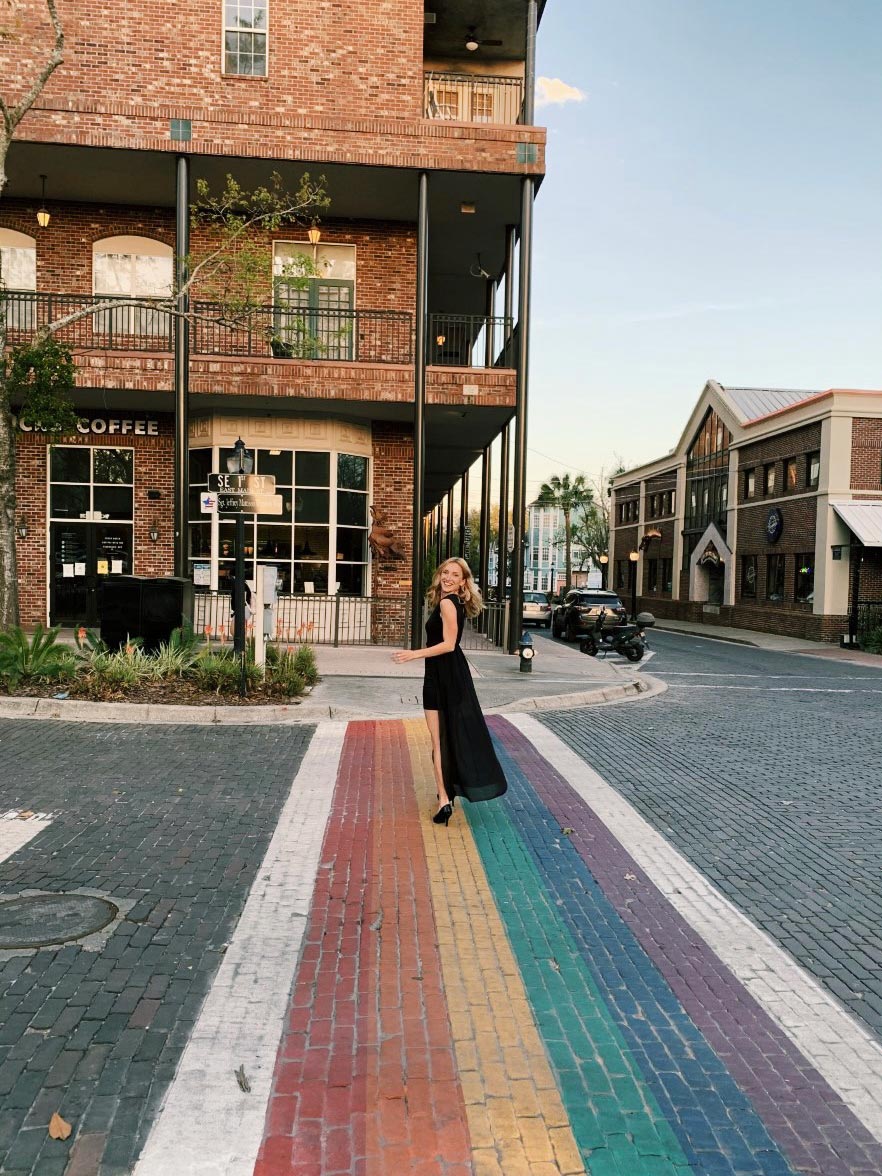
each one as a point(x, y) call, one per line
point(767, 514)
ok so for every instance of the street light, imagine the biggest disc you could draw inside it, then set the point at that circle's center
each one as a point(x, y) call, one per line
point(603, 560)
point(633, 556)
point(240, 461)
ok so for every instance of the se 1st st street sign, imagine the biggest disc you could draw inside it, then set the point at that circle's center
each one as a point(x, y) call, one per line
point(238, 502)
point(242, 483)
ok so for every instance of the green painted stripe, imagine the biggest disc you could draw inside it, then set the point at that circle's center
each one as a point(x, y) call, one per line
point(615, 1119)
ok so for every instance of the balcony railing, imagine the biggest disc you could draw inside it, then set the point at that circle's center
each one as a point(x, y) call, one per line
point(470, 340)
point(473, 98)
point(283, 332)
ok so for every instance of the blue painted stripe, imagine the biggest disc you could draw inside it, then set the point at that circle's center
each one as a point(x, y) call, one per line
point(717, 1127)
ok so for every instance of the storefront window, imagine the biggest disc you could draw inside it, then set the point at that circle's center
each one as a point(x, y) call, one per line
point(804, 580)
point(317, 542)
point(92, 483)
point(748, 577)
point(775, 577)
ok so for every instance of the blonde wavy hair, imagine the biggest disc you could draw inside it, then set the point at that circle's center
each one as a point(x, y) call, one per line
point(469, 592)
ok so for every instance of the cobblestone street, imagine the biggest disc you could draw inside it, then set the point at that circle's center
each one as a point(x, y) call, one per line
point(660, 953)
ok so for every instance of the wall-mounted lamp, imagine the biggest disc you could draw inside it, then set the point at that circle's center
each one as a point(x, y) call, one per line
point(314, 234)
point(440, 340)
point(22, 529)
point(43, 217)
point(154, 534)
point(467, 208)
point(603, 559)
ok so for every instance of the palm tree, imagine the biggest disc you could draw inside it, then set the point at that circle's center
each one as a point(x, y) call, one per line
point(568, 495)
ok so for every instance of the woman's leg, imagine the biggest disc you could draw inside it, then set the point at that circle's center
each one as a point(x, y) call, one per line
point(433, 723)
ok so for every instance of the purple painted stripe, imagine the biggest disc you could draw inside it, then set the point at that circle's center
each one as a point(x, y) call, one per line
point(806, 1118)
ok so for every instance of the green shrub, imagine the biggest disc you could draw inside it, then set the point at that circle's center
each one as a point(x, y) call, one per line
point(129, 666)
point(220, 671)
point(304, 663)
point(871, 640)
point(179, 654)
point(284, 680)
point(89, 645)
point(41, 656)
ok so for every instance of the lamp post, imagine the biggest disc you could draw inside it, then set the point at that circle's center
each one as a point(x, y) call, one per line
point(633, 556)
point(240, 461)
point(603, 560)
point(553, 580)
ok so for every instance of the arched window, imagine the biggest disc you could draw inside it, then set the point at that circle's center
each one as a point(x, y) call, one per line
point(132, 267)
point(18, 276)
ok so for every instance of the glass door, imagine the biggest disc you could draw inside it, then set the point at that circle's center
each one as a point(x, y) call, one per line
point(82, 556)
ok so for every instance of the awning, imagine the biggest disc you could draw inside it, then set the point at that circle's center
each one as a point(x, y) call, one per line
point(863, 519)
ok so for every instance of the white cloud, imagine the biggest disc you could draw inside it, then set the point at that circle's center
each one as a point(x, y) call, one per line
point(554, 92)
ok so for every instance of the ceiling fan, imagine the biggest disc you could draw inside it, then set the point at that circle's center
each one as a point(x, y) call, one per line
point(472, 42)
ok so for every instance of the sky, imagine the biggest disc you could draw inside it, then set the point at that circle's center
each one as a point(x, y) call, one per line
point(712, 209)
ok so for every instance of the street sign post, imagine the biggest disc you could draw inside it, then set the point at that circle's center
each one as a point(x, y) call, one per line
point(242, 483)
point(238, 502)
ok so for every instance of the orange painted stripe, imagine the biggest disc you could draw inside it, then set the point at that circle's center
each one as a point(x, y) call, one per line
point(365, 1077)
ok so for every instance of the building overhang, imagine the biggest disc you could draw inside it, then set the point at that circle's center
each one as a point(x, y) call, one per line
point(863, 519)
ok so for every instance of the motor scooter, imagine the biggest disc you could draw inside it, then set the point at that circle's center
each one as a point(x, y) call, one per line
point(625, 637)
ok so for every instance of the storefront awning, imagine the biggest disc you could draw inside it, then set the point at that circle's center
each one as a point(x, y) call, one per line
point(863, 519)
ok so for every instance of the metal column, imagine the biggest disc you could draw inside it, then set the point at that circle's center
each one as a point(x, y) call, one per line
point(484, 541)
point(419, 414)
point(448, 530)
point(182, 366)
point(519, 489)
point(463, 513)
point(502, 544)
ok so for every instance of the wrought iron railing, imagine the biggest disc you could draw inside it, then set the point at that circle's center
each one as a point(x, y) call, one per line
point(313, 620)
point(365, 336)
point(470, 340)
point(474, 98)
point(869, 618)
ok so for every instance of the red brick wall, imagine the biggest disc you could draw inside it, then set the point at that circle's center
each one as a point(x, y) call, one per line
point(334, 58)
point(154, 470)
point(385, 250)
point(345, 84)
point(393, 496)
point(870, 587)
point(773, 619)
point(866, 453)
point(797, 537)
point(796, 443)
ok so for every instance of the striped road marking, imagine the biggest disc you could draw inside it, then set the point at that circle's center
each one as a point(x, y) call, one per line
point(207, 1125)
point(846, 1056)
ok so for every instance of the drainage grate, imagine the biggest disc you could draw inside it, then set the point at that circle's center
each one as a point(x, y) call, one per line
point(41, 919)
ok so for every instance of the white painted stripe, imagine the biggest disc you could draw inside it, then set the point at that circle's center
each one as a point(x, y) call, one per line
point(843, 1052)
point(207, 1125)
point(16, 832)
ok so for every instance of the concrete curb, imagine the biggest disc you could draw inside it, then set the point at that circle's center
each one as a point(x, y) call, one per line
point(72, 711)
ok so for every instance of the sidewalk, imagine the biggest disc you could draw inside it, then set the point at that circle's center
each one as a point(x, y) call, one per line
point(773, 641)
point(361, 682)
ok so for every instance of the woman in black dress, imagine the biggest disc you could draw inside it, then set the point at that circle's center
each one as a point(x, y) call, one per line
point(462, 751)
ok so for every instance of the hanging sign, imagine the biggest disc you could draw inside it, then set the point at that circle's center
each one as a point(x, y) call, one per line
point(242, 483)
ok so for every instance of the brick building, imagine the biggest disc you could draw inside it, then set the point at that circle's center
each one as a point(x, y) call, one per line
point(767, 515)
point(379, 385)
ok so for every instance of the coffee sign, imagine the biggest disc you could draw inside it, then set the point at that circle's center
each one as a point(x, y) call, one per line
point(106, 426)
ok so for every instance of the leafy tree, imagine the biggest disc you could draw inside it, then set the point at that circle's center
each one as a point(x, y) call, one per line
point(234, 271)
point(570, 496)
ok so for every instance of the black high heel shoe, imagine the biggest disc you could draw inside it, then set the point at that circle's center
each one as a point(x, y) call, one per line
point(443, 814)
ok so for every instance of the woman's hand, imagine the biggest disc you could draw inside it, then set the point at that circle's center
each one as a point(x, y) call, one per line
point(406, 655)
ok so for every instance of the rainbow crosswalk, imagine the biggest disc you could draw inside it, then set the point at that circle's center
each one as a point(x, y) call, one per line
point(543, 987)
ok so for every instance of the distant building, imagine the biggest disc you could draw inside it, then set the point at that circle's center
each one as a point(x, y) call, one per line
point(545, 557)
point(767, 515)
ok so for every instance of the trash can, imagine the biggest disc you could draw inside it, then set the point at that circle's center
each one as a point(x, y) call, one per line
point(143, 606)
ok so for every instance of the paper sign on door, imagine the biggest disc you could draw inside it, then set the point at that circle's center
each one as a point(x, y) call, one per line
point(103, 567)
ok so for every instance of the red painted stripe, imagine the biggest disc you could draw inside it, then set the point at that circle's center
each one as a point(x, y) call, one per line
point(365, 1077)
point(315, 1122)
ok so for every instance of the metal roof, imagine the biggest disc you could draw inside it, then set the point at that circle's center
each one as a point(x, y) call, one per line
point(749, 404)
point(863, 519)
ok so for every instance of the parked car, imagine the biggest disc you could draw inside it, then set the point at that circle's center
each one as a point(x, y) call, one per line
point(576, 615)
point(537, 610)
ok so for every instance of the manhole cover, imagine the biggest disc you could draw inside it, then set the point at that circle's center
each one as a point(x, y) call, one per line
point(41, 919)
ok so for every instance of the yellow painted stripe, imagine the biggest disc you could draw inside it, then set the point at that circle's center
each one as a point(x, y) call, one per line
point(516, 1119)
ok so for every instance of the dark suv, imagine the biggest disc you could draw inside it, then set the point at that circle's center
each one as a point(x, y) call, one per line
point(581, 608)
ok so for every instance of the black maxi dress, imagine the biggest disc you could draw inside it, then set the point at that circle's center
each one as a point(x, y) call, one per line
point(468, 760)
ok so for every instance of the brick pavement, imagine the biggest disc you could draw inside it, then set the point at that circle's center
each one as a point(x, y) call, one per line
point(546, 986)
